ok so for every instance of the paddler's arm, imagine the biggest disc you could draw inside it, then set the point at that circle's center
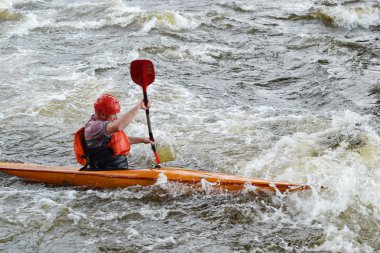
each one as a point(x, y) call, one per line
point(137, 140)
point(126, 118)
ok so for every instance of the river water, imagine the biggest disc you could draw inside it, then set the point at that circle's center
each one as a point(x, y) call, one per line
point(269, 89)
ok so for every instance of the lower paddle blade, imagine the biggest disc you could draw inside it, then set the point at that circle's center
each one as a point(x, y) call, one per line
point(142, 72)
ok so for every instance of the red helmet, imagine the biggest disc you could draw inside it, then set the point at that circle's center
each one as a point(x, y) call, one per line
point(108, 104)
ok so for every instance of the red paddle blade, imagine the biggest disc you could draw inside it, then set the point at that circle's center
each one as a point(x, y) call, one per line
point(142, 72)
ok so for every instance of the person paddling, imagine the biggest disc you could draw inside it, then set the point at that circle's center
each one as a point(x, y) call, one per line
point(102, 143)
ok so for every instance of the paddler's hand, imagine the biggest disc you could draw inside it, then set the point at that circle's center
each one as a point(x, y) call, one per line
point(147, 141)
point(143, 106)
point(136, 140)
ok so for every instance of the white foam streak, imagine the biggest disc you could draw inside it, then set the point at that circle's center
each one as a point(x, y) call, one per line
point(75, 216)
point(352, 17)
point(149, 25)
point(150, 214)
point(205, 53)
point(207, 186)
point(132, 233)
point(161, 243)
point(162, 180)
point(5, 4)
point(166, 20)
point(342, 240)
point(31, 21)
point(349, 173)
point(8, 4)
point(115, 14)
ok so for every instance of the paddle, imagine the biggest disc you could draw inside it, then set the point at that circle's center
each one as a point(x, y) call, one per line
point(142, 73)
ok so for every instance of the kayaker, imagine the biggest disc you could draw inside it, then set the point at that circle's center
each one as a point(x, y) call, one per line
point(105, 142)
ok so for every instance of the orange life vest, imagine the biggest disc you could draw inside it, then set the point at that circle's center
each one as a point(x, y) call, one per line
point(79, 146)
point(119, 144)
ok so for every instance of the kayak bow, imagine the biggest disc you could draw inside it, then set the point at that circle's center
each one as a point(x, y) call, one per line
point(71, 176)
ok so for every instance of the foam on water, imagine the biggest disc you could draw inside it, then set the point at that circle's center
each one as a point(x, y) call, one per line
point(5, 4)
point(348, 171)
point(40, 211)
point(75, 216)
point(158, 214)
point(204, 53)
point(122, 15)
point(29, 22)
point(132, 233)
point(116, 13)
point(340, 153)
point(169, 241)
point(162, 180)
point(353, 17)
point(166, 21)
point(206, 186)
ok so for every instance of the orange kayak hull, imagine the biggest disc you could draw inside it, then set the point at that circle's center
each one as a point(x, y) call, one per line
point(111, 179)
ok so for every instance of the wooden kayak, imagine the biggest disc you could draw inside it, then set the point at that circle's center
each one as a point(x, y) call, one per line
point(72, 176)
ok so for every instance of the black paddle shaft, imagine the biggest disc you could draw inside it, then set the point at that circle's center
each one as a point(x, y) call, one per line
point(148, 120)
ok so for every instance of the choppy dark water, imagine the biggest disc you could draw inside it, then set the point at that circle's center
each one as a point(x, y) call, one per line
point(270, 89)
